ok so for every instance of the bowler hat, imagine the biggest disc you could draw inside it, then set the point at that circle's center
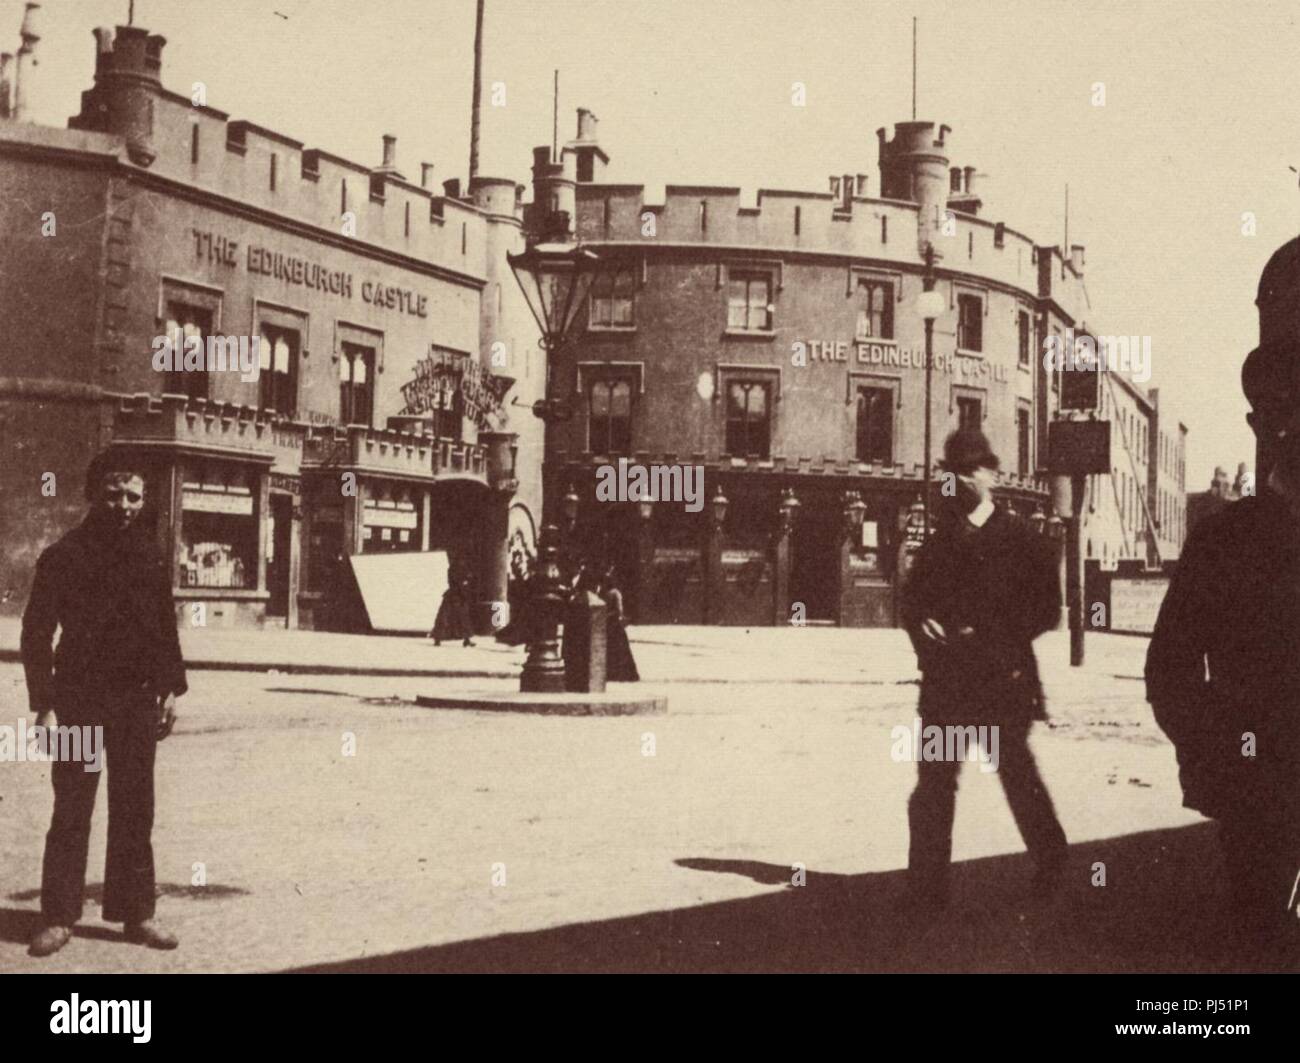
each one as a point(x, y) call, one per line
point(968, 448)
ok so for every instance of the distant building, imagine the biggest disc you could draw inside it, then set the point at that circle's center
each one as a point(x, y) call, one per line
point(1201, 504)
point(778, 346)
point(388, 332)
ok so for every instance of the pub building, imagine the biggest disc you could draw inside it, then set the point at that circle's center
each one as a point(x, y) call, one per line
point(777, 343)
point(351, 345)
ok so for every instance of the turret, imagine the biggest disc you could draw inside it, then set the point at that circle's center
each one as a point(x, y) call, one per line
point(914, 166)
point(128, 75)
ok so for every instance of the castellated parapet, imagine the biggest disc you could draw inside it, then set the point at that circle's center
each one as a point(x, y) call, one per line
point(181, 138)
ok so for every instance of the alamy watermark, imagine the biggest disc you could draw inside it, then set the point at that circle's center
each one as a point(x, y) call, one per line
point(950, 742)
point(651, 483)
point(1091, 354)
point(36, 744)
point(176, 352)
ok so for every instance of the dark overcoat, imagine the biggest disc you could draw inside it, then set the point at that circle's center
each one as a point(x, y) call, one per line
point(1001, 581)
point(1223, 666)
point(111, 596)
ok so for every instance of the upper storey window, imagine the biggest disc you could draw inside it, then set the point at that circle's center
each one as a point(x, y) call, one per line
point(613, 300)
point(970, 322)
point(749, 302)
point(875, 309)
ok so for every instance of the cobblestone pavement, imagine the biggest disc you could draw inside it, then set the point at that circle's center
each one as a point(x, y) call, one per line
point(448, 828)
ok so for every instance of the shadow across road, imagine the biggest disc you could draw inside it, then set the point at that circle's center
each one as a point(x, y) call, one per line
point(1159, 911)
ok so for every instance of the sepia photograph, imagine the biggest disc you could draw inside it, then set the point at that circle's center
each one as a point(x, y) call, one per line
point(653, 487)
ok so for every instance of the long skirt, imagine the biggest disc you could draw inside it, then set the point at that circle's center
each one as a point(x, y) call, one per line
point(453, 621)
point(620, 667)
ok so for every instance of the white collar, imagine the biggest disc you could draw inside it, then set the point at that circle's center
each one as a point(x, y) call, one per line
point(981, 513)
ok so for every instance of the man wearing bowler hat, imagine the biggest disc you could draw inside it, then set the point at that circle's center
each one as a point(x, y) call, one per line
point(983, 588)
point(1223, 672)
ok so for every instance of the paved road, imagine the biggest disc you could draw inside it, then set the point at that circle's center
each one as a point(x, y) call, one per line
point(474, 840)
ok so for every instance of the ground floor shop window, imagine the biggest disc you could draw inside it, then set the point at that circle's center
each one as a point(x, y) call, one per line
point(390, 523)
point(218, 546)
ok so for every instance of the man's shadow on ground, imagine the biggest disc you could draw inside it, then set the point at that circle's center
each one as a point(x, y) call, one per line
point(1160, 909)
point(19, 925)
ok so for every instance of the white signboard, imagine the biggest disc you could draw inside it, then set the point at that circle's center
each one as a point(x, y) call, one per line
point(1135, 603)
point(210, 502)
point(401, 591)
point(390, 518)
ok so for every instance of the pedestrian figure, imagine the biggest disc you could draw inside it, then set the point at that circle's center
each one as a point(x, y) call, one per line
point(620, 666)
point(1223, 671)
point(453, 620)
point(118, 667)
point(517, 632)
point(983, 588)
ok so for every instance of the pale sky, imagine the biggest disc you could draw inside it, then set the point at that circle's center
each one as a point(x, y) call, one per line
point(1199, 123)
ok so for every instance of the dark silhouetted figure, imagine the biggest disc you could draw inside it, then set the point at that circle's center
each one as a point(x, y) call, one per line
point(983, 588)
point(620, 666)
point(1223, 673)
point(454, 620)
point(117, 666)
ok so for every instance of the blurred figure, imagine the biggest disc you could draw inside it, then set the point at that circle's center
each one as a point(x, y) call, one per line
point(1223, 672)
point(620, 666)
point(983, 588)
point(454, 620)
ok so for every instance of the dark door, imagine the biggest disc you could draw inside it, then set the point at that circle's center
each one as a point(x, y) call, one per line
point(815, 561)
point(278, 537)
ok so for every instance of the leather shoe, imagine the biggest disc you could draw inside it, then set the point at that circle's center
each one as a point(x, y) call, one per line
point(49, 940)
point(151, 934)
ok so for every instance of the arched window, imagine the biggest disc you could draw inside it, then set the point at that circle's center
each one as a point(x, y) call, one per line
point(609, 425)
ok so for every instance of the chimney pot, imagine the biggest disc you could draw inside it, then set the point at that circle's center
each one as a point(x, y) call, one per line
point(862, 184)
point(390, 151)
point(451, 188)
point(426, 175)
point(586, 124)
point(30, 31)
point(1076, 257)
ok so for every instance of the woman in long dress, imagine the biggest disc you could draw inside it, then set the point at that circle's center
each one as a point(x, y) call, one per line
point(620, 667)
point(453, 620)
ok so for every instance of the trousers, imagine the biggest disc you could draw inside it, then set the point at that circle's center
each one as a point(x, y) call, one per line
point(130, 735)
point(934, 801)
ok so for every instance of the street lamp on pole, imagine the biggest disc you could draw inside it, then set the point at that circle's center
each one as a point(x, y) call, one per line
point(556, 278)
point(929, 305)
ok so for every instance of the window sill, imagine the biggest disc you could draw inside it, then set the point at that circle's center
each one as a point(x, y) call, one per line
point(881, 340)
point(221, 592)
point(615, 329)
point(963, 352)
point(748, 334)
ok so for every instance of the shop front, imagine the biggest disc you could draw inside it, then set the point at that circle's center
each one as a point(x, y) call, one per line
point(772, 545)
point(223, 491)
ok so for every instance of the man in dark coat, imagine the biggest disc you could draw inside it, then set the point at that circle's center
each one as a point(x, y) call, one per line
point(1223, 671)
point(983, 588)
point(117, 666)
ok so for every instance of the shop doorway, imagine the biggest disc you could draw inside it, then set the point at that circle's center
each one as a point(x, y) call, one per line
point(815, 561)
point(278, 540)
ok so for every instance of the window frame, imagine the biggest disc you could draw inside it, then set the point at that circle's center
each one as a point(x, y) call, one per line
point(966, 299)
point(888, 388)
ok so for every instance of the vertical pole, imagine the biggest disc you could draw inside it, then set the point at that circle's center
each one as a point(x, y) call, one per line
point(555, 118)
point(1074, 569)
point(913, 68)
point(477, 98)
point(928, 285)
